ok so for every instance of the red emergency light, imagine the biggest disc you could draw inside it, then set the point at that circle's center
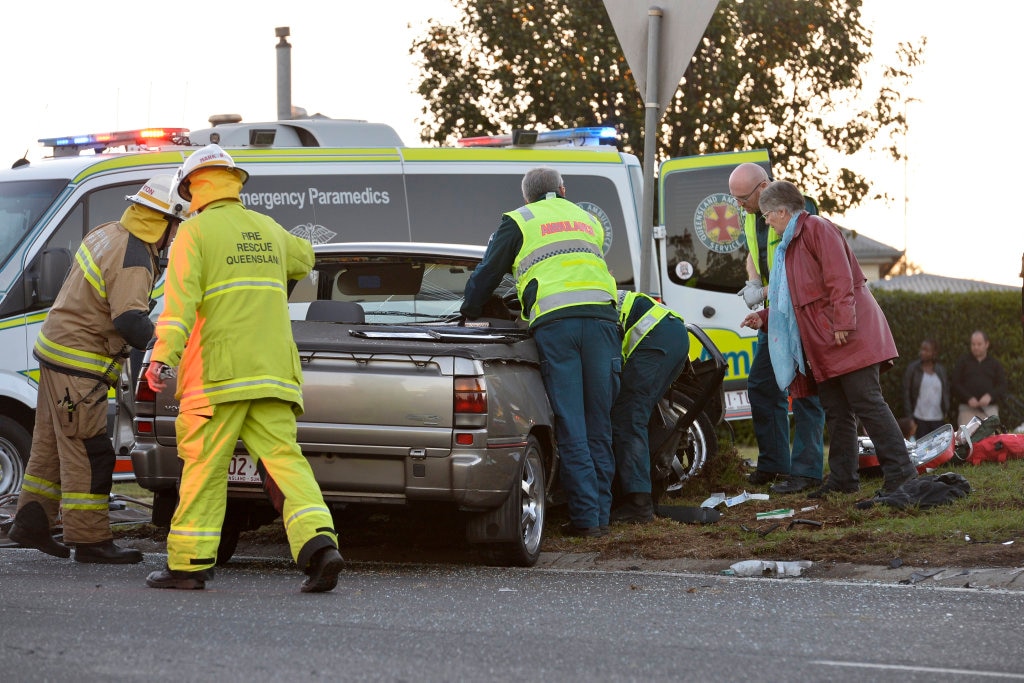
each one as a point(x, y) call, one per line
point(72, 145)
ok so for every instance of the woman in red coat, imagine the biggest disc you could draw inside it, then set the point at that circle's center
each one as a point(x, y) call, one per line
point(826, 327)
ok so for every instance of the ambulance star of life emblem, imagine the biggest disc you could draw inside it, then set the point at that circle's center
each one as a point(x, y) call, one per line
point(317, 234)
point(718, 222)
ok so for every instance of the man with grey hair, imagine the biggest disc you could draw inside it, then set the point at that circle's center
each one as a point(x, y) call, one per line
point(553, 248)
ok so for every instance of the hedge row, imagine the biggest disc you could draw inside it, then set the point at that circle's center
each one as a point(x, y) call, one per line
point(949, 319)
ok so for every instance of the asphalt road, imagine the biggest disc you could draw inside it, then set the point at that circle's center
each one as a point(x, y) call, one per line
point(405, 622)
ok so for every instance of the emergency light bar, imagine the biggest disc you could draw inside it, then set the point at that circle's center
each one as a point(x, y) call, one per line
point(73, 145)
point(569, 137)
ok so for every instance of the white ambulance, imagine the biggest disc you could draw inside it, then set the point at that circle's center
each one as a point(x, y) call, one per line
point(338, 180)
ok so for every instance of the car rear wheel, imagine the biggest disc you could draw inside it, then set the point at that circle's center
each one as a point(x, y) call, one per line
point(15, 445)
point(522, 513)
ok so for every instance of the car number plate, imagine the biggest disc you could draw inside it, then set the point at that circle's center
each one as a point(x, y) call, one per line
point(243, 470)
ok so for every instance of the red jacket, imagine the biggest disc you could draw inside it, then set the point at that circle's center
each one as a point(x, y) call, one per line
point(829, 293)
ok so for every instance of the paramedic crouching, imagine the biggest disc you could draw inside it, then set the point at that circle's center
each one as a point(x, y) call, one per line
point(554, 250)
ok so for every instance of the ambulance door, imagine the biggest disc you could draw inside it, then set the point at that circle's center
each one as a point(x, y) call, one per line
point(702, 260)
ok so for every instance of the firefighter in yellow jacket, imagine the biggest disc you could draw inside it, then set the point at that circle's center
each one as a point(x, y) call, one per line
point(103, 308)
point(238, 377)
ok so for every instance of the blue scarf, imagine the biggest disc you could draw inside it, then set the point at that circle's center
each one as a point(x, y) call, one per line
point(784, 346)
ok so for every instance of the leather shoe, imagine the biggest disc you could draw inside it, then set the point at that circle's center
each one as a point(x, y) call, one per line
point(31, 529)
point(828, 489)
point(761, 477)
point(794, 485)
point(171, 578)
point(106, 553)
point(323, 571)
point(638, 509)
point(571, 529)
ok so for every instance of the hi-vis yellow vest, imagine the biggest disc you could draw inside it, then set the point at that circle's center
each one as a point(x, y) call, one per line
point(562, 252)
point(750, 229)
point(632, 337)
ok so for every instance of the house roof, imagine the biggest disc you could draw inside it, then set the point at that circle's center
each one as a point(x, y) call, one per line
point(924, 283)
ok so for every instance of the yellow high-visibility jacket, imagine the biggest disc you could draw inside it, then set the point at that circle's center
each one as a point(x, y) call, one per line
point(226, 296)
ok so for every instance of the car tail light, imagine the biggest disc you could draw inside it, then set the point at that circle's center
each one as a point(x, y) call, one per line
point(143, 392)
point(470, 395)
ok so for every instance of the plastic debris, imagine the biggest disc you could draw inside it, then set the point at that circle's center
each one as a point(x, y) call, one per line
point(744, 497)
point(768, 568)
point(776, 514)
point(713, 500)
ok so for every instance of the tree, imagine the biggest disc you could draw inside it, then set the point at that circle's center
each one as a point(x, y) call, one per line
point(784, 75)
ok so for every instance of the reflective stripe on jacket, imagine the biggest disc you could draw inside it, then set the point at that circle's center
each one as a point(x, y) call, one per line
point(561, 252)
point(113, 273)
point(226, 294)
point(635, 333)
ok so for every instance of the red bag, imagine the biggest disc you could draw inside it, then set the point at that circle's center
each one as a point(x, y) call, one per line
point(997, 448)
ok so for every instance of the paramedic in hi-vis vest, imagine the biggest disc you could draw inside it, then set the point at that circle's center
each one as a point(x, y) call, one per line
point(239, 375)
point(655, 345)
point(800, 468)
point(101, 311)
point(555, 251)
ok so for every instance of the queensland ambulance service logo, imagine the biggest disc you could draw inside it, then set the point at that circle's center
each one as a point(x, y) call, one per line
point(606, 223)
point(718, 223)
point(317, 234)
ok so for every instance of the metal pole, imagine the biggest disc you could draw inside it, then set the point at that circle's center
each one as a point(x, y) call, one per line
point(651, 117)
point(284, 74)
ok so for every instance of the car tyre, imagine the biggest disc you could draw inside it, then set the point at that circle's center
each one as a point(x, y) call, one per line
point(525, 511)
point(15, 447)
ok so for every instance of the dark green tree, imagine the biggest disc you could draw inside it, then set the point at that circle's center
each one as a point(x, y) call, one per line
point(785, 75)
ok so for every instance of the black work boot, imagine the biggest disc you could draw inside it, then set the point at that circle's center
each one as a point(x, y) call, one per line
point(171, 578)
point(106, 552)
point(638, 509)
point(323, 571)
point(31, 529)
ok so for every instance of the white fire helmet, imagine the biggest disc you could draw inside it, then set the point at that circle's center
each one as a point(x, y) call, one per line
point(208, 157)
point(157, 193)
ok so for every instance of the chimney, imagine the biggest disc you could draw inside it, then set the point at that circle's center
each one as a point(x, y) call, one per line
point(284, 74)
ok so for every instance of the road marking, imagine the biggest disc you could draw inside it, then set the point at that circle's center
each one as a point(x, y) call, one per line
point(923, 669)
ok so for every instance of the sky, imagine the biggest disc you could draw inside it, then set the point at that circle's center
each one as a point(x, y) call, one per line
point(70, 71)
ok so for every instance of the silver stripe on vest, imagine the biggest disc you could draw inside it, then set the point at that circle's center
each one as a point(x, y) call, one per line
point(556, 249)
point(637, 332)
point(525, 212)
point(582, 296)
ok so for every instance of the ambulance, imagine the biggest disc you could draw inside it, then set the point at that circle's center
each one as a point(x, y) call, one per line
point(335, 180)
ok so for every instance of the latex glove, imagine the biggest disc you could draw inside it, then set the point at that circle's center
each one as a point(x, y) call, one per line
point(753, 294)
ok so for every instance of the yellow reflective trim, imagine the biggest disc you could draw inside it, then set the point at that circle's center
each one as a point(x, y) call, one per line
point(550, 155)
point(314, 154)
point(67, 356)
point(127, 161)
point(91, 271)
point(41, 487)
point(757, 156)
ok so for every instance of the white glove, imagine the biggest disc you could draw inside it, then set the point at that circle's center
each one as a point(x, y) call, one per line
point(753, 294)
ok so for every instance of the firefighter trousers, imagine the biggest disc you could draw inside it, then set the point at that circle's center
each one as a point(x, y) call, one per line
point(71, 465)
point(206, 443)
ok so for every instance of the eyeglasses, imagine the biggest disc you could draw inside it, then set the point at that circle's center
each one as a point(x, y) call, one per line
point(768, 212)
point(747, 195)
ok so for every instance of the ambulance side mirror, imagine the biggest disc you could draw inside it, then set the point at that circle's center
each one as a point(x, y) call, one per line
point(53, 268)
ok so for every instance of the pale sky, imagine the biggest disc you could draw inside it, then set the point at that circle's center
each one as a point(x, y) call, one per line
point(72, 69)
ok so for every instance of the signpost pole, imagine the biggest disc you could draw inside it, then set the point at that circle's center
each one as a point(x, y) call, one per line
point(651, 117)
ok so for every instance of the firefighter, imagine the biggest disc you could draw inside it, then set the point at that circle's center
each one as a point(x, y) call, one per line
point(238, 377)
point(655, 346)
point(101, 311)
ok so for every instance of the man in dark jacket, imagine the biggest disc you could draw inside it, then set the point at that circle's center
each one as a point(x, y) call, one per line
point(555, 251)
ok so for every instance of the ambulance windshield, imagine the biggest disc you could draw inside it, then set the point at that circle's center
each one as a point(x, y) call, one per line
point(22, 202)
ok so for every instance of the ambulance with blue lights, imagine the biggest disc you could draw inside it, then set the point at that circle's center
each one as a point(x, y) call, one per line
point(338, 180)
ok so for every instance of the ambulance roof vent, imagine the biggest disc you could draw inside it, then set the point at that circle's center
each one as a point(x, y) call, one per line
point(314, 132)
